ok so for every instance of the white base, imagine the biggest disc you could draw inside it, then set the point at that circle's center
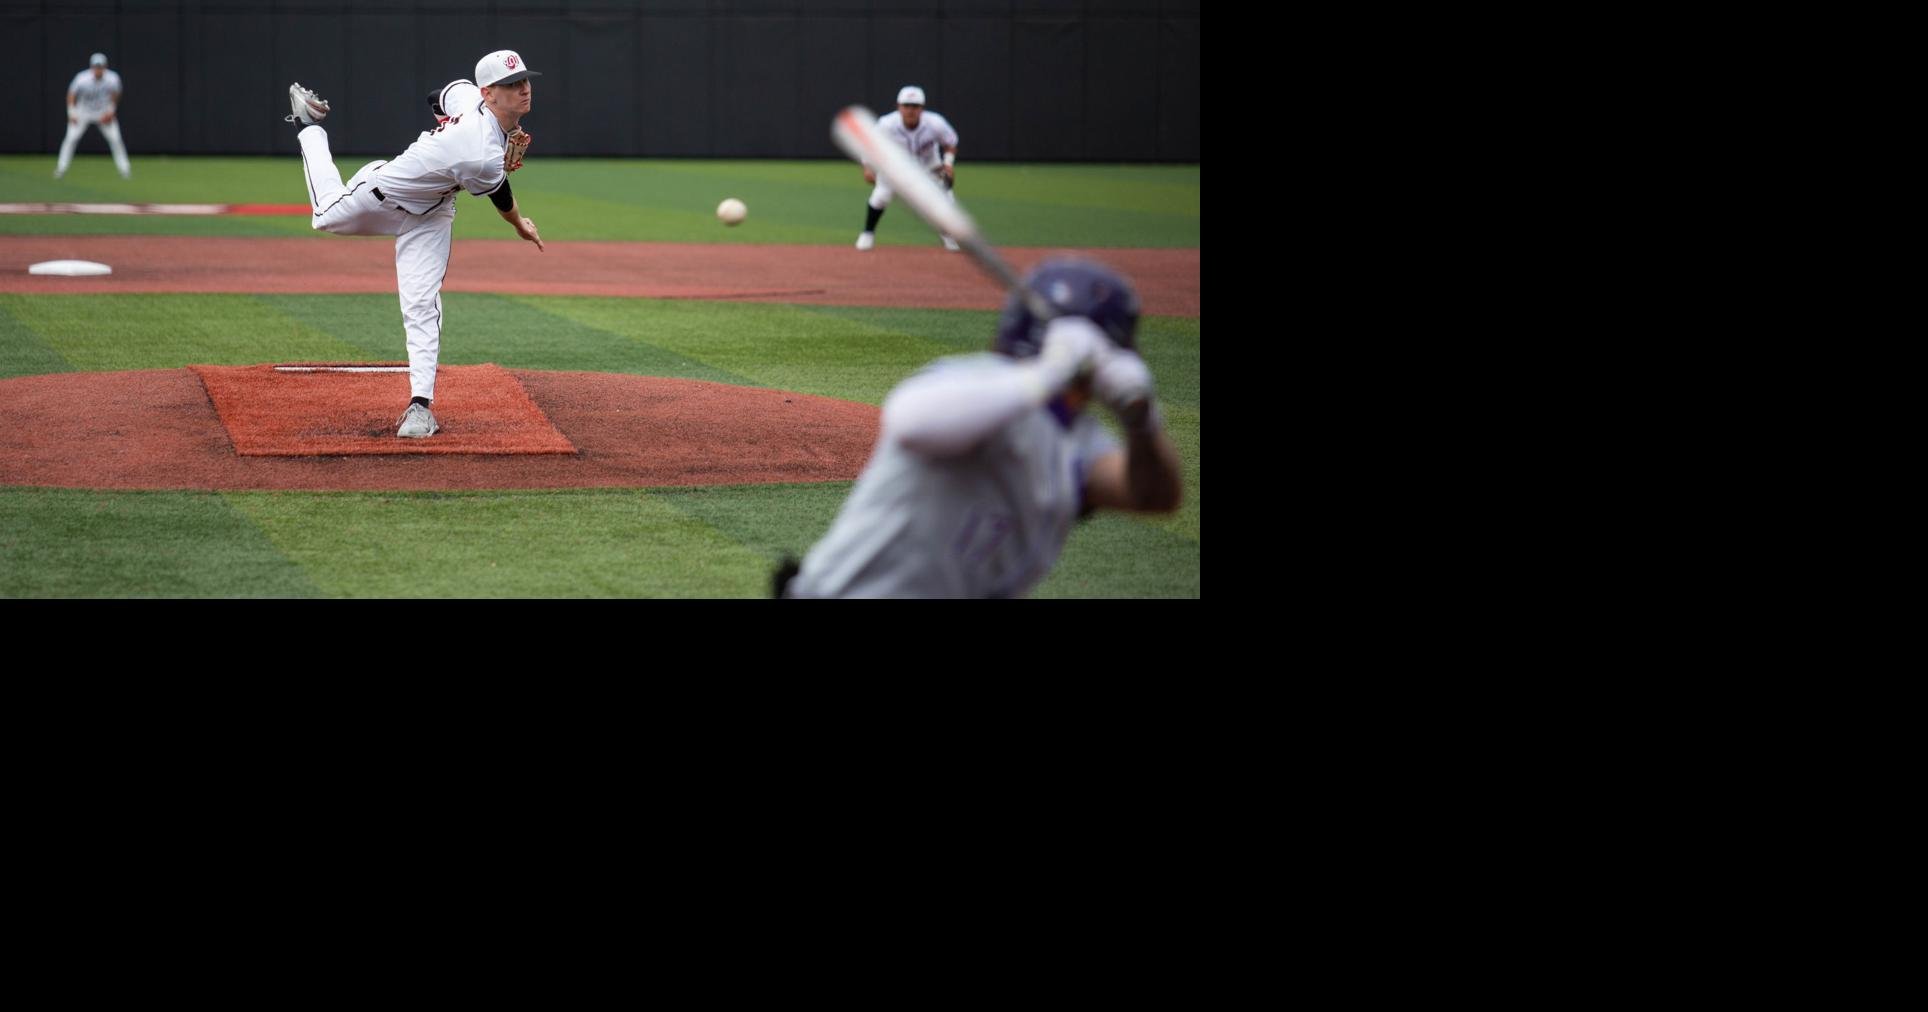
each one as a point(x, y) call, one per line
point(70, 268)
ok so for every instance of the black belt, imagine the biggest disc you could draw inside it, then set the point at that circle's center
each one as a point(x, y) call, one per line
point(377, 191)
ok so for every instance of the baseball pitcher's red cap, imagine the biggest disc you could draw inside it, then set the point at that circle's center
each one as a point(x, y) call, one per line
point(504, 66)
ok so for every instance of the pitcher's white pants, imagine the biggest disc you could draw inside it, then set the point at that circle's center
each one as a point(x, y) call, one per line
point(79, 125)
point(421, 246)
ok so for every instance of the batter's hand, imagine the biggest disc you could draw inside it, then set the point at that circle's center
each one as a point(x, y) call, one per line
point(1123, 383)
point(527, 230)
point(1072, 347)
point(870, 175)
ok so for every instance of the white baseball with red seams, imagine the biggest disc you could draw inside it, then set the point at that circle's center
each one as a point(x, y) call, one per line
point(732, 211)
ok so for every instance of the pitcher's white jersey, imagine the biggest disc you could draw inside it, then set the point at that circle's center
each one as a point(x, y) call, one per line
point(927, 142)
point(464, 153)
point(91, 97)
point(986, 523)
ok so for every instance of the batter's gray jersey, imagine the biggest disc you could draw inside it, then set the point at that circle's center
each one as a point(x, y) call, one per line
point(986, 523)
point(464, 153)
point(924, 142)
point(95, 97)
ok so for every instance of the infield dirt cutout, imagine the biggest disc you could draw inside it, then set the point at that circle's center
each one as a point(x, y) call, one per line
point(909, 276)
point(161, 429)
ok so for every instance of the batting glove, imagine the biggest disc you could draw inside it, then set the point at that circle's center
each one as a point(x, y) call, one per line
point(1072, 346)
point(1123, 383)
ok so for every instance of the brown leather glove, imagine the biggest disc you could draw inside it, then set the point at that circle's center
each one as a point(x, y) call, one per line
point(518, 145)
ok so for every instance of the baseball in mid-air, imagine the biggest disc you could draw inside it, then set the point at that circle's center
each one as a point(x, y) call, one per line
point(731, 211)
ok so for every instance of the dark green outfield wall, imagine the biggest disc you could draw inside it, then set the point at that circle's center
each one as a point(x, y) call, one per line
point(1022, 80)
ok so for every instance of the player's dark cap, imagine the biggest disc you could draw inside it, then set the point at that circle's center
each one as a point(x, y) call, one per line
point(1072, 287)
point(504, 66)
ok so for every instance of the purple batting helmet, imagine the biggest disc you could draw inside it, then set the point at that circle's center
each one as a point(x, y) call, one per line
point(1073, 288)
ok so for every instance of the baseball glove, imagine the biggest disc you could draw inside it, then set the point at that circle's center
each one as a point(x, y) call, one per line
point(518, 145)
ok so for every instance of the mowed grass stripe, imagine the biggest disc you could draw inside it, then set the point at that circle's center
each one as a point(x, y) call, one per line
point(111, 332)
point(1119, 555)
point(771, 520)
point(480, 328)
point(573, 543)
point(22, 352)
point(84, 543)
point(852, 353)
point(778, 346)
point(1110, 555)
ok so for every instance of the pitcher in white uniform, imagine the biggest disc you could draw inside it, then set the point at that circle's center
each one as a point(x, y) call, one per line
point(412, 198)
point(93, 99)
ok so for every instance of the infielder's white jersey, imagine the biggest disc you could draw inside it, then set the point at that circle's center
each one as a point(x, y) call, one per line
point(93, 98)
point(464, 153)
point(924, 142)
point(986, 523)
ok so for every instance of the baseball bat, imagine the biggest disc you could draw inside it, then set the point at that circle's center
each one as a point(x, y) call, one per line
point(855, 131)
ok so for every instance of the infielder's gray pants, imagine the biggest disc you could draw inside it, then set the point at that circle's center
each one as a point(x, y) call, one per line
point(79, 126)
point(421, 246)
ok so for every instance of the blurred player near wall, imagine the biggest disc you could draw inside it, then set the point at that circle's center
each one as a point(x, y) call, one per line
point(93, 99)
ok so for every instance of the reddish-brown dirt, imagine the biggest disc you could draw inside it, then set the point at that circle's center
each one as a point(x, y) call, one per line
point(157, 429)
point(1167, 279)
point(269, 412)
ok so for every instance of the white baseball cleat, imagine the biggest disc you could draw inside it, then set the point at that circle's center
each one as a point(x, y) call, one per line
point(309, 108)
point(417, 422)
point(866, 240)
point(951, 244)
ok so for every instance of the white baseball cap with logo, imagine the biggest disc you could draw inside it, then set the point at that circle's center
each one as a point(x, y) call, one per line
point(911, 95)
point(504, 66)
point(97, 60)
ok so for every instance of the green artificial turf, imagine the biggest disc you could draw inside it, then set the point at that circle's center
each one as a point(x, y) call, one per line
point(637, 200)
point(81, 543)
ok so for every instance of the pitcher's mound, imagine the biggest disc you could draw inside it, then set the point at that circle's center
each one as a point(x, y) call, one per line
point(159, 429)
point(320, 409)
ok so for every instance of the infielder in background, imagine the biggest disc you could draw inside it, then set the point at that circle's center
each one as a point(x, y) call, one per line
point(983, 462)
point(477, 142)
point(931, 141)
point(93, 100)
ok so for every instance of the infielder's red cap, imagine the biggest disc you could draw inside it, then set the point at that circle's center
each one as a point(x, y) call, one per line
point(504, 66)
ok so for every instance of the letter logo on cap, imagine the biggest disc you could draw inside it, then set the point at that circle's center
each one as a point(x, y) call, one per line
point(510, 61)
